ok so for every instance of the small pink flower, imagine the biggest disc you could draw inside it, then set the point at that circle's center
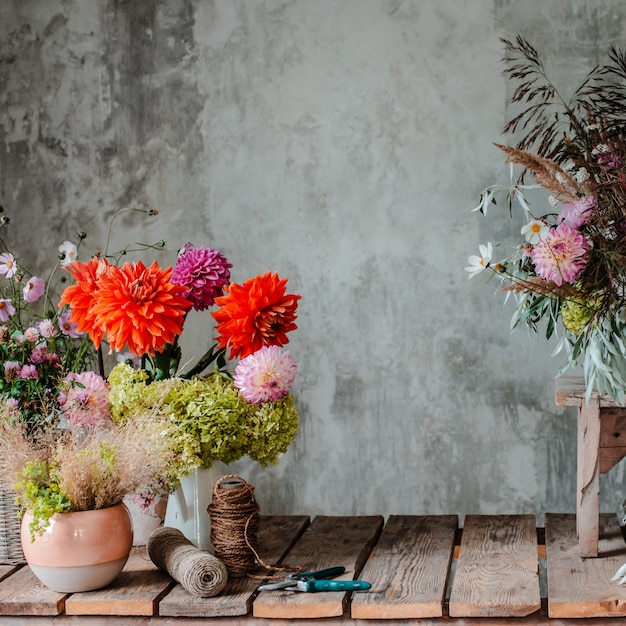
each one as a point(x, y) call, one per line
point(39, 355)
point(204, 272)
point(29, 371)
point(8, 265)
point(34, 289)
point(85, 399)
point(32, 334)
point(562, 255)
point(46, 329)
point(266, 374)
point(11, 370)
point(67, 327)
point(12, 407)
point(6, 309)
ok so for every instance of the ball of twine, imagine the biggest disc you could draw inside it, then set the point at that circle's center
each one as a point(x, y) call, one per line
point(234, 514)
point(198, 571)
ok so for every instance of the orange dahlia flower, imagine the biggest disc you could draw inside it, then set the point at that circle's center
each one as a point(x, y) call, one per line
point(255, 314)
point(139, 308)
point(81, 296)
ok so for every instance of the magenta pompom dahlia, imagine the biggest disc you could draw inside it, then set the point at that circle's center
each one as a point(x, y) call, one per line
point(204, 272)
point(266, 374)
point(562, 255)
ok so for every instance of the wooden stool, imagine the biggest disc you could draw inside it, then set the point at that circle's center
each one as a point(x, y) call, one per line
point(601, 446)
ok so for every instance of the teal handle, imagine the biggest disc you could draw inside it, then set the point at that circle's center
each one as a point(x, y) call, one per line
point(336, 585)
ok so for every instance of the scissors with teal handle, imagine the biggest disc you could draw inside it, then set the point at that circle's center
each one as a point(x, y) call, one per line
point(317, 581)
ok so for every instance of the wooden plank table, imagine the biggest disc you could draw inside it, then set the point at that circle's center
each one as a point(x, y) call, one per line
point(601, 445)
point(423, 570)
point(497, 573)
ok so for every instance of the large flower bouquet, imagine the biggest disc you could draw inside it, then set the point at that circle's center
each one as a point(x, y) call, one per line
point(569, 270)
point(148, 423)
point(224, 415)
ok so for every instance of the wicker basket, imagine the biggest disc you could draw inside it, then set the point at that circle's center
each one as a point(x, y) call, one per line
point(10, 545)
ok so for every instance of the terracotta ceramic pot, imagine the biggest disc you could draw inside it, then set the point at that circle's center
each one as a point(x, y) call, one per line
point(79, 551)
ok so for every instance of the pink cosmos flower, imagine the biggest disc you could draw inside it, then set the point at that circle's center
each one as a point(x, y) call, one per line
point(85, 399)
point(8, 265)
point(6, 309)
point(34, 288)
point(266, 374)
point(66, 326)
point(29, 371)
point(577, 213)
point(561, 256)
point(204, 272)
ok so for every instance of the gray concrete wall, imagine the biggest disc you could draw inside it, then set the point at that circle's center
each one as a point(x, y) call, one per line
point(341, 143)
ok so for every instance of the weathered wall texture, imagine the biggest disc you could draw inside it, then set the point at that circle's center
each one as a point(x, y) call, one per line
point(341, 143)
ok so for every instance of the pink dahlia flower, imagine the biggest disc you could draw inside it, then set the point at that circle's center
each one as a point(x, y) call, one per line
point(85, 399)
point(561, 256)
point(204, 272)
point(577, 213)
point(266, 374)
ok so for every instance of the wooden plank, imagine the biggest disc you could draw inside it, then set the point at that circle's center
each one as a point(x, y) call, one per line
point(7, 570)
point(408, 569)
point(497, 574)
point(612, 438)
point(328, 542)
point(588, 477)
point(136, 591)
point(571, 391)
point(276, 536)
point(582, 587)
point(23, 594)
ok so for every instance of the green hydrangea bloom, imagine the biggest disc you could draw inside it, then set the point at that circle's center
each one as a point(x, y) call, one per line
point(576, 315)
point(205, 419)
point(272, 427)
point(127, 386)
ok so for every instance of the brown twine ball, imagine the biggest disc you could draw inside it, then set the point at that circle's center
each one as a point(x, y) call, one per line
point(198, 571)
point(234, 516)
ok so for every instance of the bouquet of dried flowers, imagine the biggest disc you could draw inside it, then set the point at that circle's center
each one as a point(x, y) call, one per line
point(570, 269)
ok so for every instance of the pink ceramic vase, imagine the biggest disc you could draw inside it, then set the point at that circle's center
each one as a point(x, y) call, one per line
point(79, 551)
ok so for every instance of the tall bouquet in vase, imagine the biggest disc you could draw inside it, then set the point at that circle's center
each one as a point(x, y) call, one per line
point(568, 272)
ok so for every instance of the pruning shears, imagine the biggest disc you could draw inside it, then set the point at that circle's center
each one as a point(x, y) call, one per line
point(317, 581)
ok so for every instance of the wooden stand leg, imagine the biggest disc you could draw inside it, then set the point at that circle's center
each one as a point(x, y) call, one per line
point(588, 478)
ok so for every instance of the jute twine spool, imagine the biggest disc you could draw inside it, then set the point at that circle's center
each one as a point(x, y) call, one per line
point(198, 571)
point(234, 516)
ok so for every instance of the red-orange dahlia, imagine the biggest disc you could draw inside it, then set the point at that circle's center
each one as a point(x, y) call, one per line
point(255, 314)
point(81, 296)
point(139, 308)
